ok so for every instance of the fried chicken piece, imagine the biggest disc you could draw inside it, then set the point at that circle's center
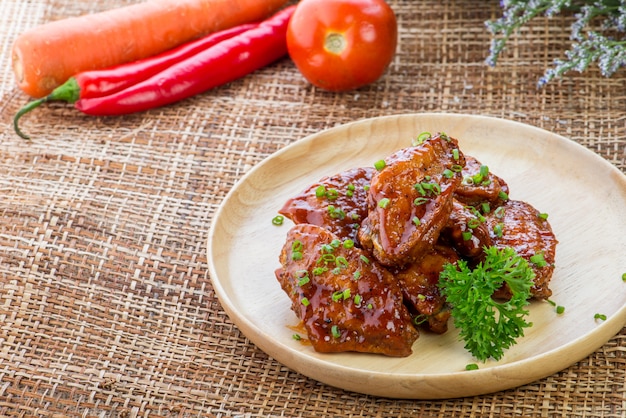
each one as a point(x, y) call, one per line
point(466, 231)
point(419, 283)
point(410, 200)
point(346, 301)
point(337, 203)
point(480, 185)
point(519, 225)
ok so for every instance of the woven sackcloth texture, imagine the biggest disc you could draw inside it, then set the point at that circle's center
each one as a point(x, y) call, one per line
point(106, 305)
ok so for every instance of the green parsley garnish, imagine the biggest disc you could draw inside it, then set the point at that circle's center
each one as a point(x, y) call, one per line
point(488, 326)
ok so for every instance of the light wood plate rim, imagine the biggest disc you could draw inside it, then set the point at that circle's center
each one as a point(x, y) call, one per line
point(243, 250)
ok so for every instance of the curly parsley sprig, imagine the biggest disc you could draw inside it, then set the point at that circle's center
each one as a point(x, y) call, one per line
point(598, 33)
point(487, 326)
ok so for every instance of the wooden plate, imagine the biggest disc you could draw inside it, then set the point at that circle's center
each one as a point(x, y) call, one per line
point(583, 194)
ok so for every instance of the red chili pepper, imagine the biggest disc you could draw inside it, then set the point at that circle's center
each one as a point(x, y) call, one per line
point(98, 83)
point(226, 60)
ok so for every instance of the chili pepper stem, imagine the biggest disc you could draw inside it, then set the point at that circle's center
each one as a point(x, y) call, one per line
point(68, 92)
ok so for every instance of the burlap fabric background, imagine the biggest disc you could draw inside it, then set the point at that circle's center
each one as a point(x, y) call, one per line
point(106, 308)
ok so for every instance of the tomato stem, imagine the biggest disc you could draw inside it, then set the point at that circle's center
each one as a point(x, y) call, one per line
point(335, 43)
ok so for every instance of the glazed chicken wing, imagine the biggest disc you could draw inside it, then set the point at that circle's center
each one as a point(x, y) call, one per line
point(519, 225)
point(337, 203)
point(419, 283)
point(410, 200)
point(466, 231)
point(480, 185)
point(346, 301)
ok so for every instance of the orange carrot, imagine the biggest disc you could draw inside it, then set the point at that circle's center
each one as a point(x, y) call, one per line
point(48, 55)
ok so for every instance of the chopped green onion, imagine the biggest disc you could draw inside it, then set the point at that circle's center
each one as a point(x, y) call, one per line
point(420, 319)
point(332, 194)
point(335, 243)
point(456, 168)
point(383, 203)
point(600, 316)
point(421, 138)
point(335, 331)
point(278, 220)
point(370, 306)
point(327, 249)
point(336, 213)
point(341, 262)
point(467, 235)
point(424, 188)
point(416, 221)
point(499, 213)
point(337, 296)
point(447, 173)
point(347, 244)
point(304, 280)
point(473, 223)
point(503, 195)
point(498, 230)
point(420, 201)
point(357, 299)
point(319, 270)
point(351, 190)
point(320, 191)
point(380, 164)
point(356, 275)
point(624, 277)
point(543, 216)
point(560, 309)
point(305, 301)
point(455, 154)
point(471, 366)
point(297, 337)
point(421, 297)
point(364, 259)
point(486, 208)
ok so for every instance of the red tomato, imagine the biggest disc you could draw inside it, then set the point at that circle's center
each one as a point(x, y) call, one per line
point(342, 44)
